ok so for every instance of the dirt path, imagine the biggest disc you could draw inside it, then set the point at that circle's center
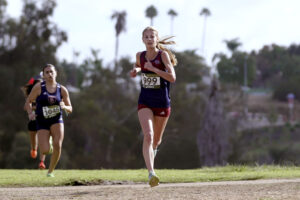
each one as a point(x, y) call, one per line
point(233, 190)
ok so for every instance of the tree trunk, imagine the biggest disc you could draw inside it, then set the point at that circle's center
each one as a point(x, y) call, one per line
point(172, 22)
point(116, 51)
point(212, 140)
point(203, 37)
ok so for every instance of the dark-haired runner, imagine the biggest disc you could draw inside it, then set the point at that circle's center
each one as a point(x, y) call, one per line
point(32, 126)
point(51, 98)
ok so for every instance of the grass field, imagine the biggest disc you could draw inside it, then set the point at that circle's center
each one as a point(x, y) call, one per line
point(26, 178)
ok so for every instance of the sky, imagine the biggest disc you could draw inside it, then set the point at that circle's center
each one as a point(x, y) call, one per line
point(255, 22)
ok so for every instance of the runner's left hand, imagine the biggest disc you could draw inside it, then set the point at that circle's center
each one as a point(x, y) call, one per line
point(62, 105)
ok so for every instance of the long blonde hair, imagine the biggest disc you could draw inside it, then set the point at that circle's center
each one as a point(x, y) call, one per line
point(161, 43)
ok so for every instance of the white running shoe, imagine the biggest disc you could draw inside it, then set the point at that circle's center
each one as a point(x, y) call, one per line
point(153, 179)
point(51, 175)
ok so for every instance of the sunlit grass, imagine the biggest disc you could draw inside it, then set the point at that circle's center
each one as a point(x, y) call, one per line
point(20, 178)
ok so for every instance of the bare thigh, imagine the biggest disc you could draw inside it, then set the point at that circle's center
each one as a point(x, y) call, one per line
point(43, 138)
point(57, 133)
point(146, 120)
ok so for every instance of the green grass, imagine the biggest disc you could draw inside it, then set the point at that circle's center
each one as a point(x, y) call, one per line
point(25, 178)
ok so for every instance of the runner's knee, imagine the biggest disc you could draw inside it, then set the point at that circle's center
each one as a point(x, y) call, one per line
point(44, 150)
point(148, 137)
point(57, 145)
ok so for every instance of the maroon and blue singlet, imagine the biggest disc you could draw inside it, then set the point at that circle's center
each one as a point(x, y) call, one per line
point(48, 110)
point(155, 90)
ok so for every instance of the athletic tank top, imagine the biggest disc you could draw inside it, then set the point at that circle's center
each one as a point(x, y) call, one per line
point(47, 104)
point(154, 89)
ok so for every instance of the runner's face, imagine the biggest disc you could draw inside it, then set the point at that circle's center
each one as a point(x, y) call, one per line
point(50, 74)
point(150, 38)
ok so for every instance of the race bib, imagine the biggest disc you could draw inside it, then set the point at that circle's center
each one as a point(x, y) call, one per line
point(150, 81)
point(51, 111)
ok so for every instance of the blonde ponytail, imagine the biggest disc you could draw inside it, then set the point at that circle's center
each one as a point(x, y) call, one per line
point(161, 46)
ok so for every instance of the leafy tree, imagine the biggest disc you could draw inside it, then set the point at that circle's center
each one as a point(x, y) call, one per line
point(19, 156)
point(172, 14)
point(191, 67)
point(187, 100)
point(119, 27)
point(151, 12)
point(232, 69)
point(3, 4)
point(71, 74)
point(110, 100)
point(25, 45)
point(276, 64)
point(294, 50)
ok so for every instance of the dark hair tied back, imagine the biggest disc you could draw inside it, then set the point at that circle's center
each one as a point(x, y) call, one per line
point(49, 65)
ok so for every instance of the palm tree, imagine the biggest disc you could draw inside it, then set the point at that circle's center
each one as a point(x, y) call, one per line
point(173, 14)
point(119, 27)
point(233, 44)
point(3, 5)
point(151, 12)
point(205, 12)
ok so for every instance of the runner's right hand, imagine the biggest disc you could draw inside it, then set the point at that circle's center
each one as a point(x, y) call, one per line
point(32, 116)
point(133, 72)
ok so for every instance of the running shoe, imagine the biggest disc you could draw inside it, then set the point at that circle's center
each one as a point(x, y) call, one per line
point(153, 179)
point(50, 175)
point(42, 165)
point(51, 145)
point(33, 153)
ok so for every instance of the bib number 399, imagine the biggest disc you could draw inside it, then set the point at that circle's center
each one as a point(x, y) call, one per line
point(150, 81)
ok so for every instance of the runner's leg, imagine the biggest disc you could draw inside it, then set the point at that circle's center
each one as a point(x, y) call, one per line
point(33, 143)
point(159, 125)
point(146, 120)
point(57, 133)
point(43, 138)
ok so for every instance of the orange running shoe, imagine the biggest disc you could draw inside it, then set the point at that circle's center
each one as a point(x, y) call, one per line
point(42, 165)
point(33, 153)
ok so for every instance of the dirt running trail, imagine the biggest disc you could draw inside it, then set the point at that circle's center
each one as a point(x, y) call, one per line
point(234, 190)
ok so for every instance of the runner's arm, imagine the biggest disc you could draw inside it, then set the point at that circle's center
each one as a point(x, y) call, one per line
point(169, 75)
point(137, 66)
point(36, 90)
point(65, 104)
